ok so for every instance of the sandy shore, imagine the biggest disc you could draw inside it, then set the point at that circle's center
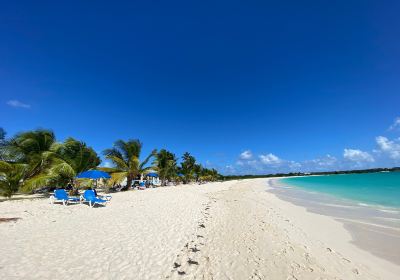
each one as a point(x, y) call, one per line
point(231, 230)
point(373, 229)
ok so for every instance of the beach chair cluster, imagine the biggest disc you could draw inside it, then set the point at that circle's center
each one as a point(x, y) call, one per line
point(89, 197)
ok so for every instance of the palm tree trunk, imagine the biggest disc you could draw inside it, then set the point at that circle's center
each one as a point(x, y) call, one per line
point(128, 182)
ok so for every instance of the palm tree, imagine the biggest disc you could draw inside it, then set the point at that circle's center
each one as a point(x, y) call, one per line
point(209, 174)
point(3, 144)
point(73, 157)
point(165, 165)
point(47, 161)
point(126, 159)
point(34, 149)
point(16, 177)
point(2, 134)
point(77, 154)
point(12, 176)
point(197, 171)
point(187, 167)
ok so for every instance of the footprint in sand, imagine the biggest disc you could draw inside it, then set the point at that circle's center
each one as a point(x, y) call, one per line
point(190, 262)
point(194, 250)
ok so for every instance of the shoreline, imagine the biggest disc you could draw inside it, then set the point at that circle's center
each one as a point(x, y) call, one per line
point(372, 228)
point(234, 229)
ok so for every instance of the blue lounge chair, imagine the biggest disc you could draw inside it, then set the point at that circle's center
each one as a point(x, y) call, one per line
point(90, 197)
point(61, 195)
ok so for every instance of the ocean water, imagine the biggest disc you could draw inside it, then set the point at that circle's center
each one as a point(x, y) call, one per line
point(368, 206)
point(373, 189)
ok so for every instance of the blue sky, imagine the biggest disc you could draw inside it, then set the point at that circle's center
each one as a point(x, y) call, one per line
point(245, 86)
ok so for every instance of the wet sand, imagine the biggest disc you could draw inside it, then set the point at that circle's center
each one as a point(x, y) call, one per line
point(376, 230)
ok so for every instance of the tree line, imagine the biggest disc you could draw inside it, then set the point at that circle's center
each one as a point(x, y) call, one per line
point(291, 174)
point(33, 159)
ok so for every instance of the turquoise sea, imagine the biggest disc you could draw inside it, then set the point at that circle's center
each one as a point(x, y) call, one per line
point(368, 206)
point(374, 189)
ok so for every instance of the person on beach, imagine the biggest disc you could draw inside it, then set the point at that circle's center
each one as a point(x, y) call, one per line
point(69, 187)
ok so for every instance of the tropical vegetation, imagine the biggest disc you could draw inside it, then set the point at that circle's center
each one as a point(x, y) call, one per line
point(125, 156)
point(166, 166)
point(34, 159)
point(188, 167)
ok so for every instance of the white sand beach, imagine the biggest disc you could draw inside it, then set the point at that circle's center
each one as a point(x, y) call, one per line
point(230, 230)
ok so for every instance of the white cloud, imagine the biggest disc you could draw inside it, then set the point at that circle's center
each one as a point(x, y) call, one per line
point(357, 156)
point(396, 124)
point(270, 159)
point(229, 169)
point(18, 104)
point(252, 163)
point(389, 147)
point(248, 163)
point(246, 155)
point(324, 163)
point(294, 165)
point(387, 154)
point(327, 160)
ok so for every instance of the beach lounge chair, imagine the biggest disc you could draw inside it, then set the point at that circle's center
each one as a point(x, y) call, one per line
point(104, 197)
point(61, 195)
point(90, 197)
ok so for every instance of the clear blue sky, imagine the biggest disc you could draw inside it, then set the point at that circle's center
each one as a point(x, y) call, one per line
point(247, 87)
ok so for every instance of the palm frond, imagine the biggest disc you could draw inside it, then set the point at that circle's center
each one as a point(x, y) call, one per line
point(63, 169)
point(152, 154)
point(134, 165)
point(37, 182)
point(118, 177)
point(118, 162)
point(146, 170)
point(108, 169)
point(113, 152)
point(5, 166)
